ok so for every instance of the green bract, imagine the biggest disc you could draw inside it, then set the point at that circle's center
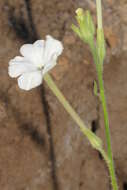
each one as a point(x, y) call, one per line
point(86, 29)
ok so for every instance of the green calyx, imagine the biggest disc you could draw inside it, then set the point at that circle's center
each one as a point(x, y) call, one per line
point(86, 29)
point(101, 45)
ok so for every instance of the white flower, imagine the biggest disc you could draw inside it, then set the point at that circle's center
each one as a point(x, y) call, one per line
point(36, 60)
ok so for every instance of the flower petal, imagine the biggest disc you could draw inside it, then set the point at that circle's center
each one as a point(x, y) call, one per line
point(53, 48)
point(27, 81)
point(49, 66)
point(18, 66)
point(34, 52)
point(17, 58)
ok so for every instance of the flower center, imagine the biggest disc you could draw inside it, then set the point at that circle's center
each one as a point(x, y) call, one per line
point(40, 67)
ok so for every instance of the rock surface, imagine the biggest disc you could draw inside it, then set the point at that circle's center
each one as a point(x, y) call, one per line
point(54, 155)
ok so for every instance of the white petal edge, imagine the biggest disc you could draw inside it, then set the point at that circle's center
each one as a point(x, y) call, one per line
point(53, 48)
point(17, 58)
point(18, 66)
point(27, 81)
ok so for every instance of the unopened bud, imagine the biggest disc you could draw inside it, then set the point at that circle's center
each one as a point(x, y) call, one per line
point(86, 29)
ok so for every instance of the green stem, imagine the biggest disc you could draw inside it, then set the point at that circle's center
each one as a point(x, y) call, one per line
point(99, 13)
point(107, 129)
point(99, 63)
point(106, 117)
point(102, 96)
point(94, 140)
point(104, 106)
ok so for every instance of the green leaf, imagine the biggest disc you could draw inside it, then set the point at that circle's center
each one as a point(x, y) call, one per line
point(95, 89)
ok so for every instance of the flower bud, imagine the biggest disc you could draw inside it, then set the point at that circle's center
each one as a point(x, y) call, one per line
point(86, 29)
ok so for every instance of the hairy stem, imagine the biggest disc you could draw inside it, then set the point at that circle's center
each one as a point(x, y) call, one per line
point(107, 129)
point(99, 69)
point(94, 140)
point(104, 104)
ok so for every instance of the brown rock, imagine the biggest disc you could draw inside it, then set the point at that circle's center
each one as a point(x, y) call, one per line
point(111, 37)
point(61, 68)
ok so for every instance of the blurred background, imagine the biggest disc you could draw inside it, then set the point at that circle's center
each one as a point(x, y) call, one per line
point(40, 146)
